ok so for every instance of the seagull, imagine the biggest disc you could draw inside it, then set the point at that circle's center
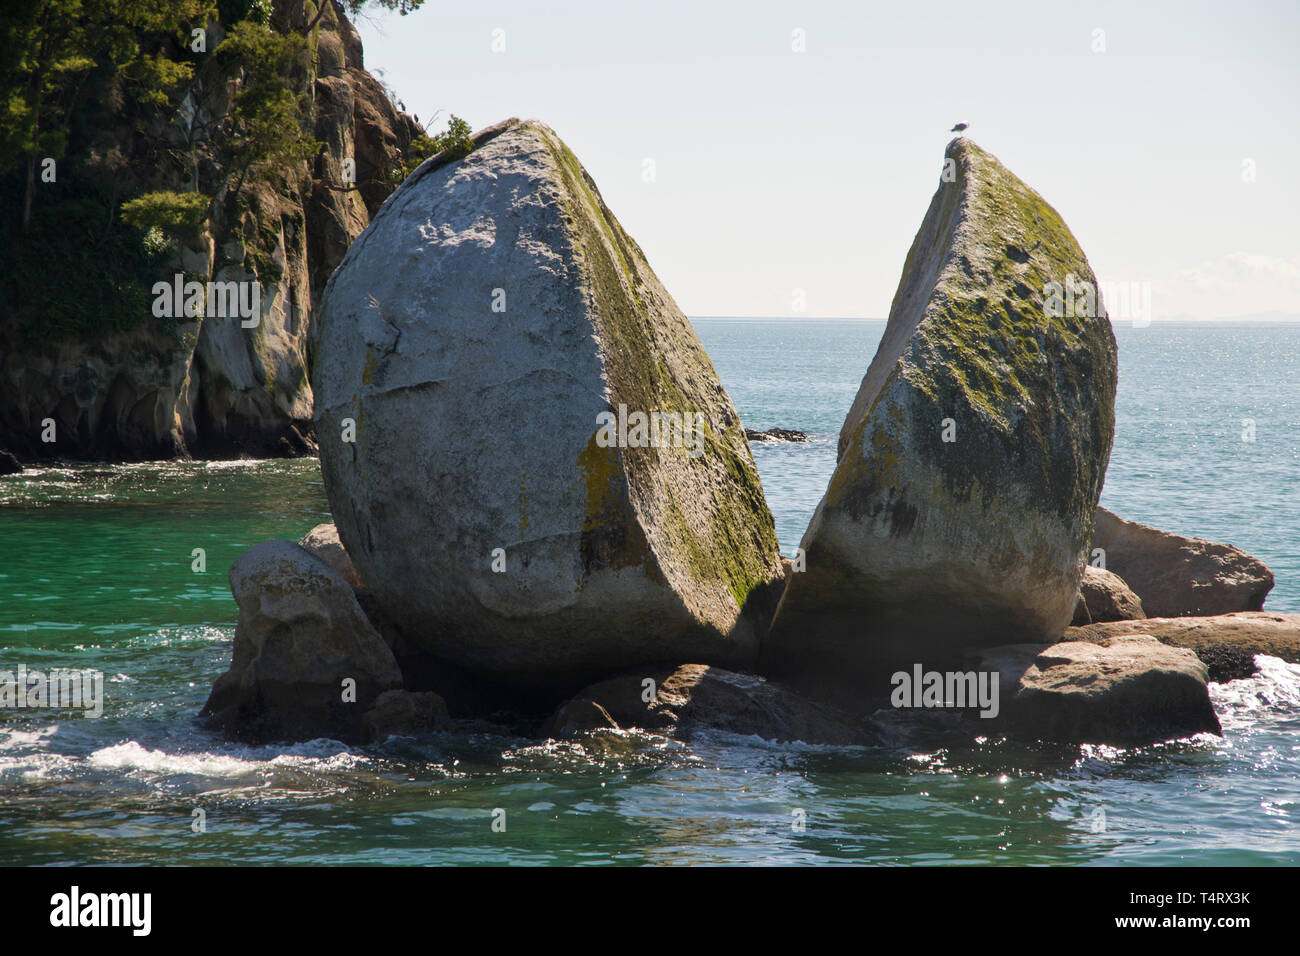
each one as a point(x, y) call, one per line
point(959, 128)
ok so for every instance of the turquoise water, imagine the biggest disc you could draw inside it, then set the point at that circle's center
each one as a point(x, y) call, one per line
point(96, 571)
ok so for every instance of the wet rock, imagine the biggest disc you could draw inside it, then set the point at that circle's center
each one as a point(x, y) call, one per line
point(1226, 643)
point(1176, 576)
point(776, 435)
point(301, 638)
point(961, 507)
point(1130, 690)
point(405, 712)
point(9, 465)
point(695, 697)
point(545, 481)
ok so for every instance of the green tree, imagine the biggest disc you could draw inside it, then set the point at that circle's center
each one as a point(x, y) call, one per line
point(51, 47)
point(457, 141)
point(264, 129)
point(356, 6)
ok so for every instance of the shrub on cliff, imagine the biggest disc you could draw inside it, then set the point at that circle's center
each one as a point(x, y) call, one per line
point(457, 141)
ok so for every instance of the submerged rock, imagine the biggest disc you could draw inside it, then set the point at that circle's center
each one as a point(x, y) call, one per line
point(776, 435)
point(694, 697)
point(301, 636)
point(1128, 691)
point(961, 508)
point(1103, 596)
point(405, 712)
point(1175, 576)
point(1226, 643)
point(527, 452)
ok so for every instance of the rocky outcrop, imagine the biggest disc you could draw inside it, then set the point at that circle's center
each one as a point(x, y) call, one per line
point(1177, 576)
point(406, 713)
point(306, 663)
point(1226, 643)
point(216, 388)
point(527, 452)
point(970, 464)
point(1129, 690)
point(778, 435)
point(9, 465)
point(692, 698)
point(1103, 596)
point(323, 542)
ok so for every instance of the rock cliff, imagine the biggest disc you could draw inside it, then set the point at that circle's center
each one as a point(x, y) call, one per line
point(167, 387)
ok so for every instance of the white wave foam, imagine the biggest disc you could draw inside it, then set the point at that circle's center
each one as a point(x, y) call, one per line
point(22, 739)
point(1273, 693)
point(320, 755)
point(40, 766)
point(131, 756)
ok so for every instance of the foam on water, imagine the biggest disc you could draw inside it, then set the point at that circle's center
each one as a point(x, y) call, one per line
point(1268, 700)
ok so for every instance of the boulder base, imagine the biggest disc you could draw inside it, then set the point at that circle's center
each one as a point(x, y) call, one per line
point(405, 712)
point(1129, 690)
point(695, 697)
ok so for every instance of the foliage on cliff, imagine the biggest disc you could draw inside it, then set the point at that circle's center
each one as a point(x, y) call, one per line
point(127, 123)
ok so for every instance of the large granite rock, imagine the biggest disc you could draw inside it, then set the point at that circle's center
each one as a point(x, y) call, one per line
point(1103, 596)
point(478, 334)
point(923, 546)
point(1128, 690)
point(1226, 643)
point(694, 697)
point(1177, 576)
point(300, 636)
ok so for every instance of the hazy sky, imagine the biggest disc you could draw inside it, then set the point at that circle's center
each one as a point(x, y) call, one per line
point(775, 170)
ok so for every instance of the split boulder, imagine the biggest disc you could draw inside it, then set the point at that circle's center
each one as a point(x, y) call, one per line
point(529, 456)
point(961, 507)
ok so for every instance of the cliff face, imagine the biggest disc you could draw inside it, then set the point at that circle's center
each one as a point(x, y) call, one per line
point(216, 387)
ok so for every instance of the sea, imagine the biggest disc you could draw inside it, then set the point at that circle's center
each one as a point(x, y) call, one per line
point(122, 569)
